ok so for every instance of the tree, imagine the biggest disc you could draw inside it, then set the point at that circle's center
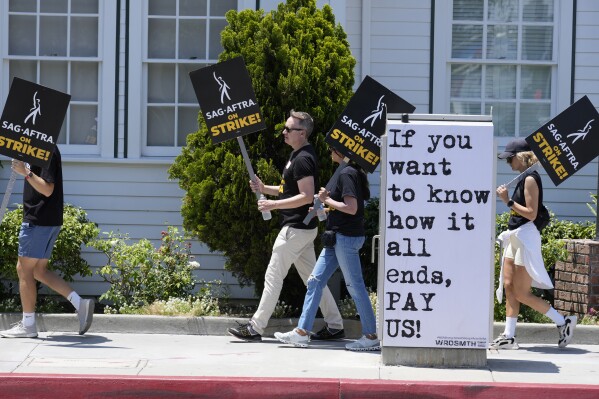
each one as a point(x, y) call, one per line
point(297, 58)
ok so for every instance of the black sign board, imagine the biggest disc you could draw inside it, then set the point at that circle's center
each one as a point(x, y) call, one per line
point(567, 142)
point(357, 133)
point(31, 122)
point(227, 100)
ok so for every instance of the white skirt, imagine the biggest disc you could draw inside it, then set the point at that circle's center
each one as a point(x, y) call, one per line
point(532, 257)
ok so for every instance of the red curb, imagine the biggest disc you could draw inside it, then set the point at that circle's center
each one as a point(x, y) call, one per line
point(69, 386)
point(366, 389)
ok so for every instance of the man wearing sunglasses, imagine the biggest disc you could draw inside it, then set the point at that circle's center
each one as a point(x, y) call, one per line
point(295, 242)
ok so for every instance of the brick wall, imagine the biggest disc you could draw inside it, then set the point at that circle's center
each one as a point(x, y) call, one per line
point(577, 278)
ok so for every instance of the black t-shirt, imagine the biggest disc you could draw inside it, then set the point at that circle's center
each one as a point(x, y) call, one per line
point(516, 220)
point(349, 184)
point(302, 163)
point(38, 209)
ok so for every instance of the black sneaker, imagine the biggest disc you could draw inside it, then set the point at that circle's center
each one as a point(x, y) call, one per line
point(502, 342)
point(566, 332)
point(328, 334)
point(244, 333)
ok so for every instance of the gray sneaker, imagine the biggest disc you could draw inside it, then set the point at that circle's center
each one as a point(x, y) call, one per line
point(85, 314)
point(364, 344)
point(18, 330)
point(294, 338)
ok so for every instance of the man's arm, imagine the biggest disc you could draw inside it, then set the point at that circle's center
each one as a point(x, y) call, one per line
point(38, 184)
point(305, 197)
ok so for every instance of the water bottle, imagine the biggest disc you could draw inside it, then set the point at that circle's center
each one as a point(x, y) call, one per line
point(320, 212)
point(266, 215)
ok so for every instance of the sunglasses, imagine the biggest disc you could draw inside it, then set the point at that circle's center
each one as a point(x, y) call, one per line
point(510, 158)
point(287, 129)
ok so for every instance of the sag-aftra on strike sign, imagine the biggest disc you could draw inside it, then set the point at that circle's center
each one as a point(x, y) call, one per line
point(357, 133)
point(31, 122)
point(227, 100)
point(567, 142)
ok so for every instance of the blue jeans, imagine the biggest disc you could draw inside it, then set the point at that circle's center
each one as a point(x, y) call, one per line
point(345, 255)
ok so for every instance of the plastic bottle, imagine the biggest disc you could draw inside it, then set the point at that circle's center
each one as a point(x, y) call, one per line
point(320, 212)
point(266, 215)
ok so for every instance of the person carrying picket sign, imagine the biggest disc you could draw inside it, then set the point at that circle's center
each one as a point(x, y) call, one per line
point(43, 205)
point(522, 261)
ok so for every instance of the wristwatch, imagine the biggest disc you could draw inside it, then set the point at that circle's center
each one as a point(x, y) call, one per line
point(28, 175)
point(510, 203)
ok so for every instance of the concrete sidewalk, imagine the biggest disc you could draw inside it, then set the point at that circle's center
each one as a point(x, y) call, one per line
point(144, 364)
point(134, 324)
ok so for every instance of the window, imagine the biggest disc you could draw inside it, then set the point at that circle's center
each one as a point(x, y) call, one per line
point(56, 44)
point(503, 59)
point(182, 36)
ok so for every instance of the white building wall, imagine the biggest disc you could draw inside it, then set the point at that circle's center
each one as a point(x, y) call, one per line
point(134, 198)
point(391, 42)
point(568, 201)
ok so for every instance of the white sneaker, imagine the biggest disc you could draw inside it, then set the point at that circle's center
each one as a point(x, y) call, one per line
point(20, 331)
point(85, 314)
point(502, 342)
point(293, 338)
point(364, 344)
point(566, 332)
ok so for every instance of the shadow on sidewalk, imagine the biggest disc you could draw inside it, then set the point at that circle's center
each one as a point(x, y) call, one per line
point(78, 341)
point(554, 350)
point(522, 366)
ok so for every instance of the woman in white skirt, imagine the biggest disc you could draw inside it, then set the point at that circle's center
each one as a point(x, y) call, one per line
point(522, 261)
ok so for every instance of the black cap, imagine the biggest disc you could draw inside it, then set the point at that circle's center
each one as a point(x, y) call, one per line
point(514, 147)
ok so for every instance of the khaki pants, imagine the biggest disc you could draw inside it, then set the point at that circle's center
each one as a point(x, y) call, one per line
point(292, 246)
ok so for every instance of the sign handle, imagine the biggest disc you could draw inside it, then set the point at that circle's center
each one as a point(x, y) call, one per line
point(517, 179)
point(248, 163)
point(7, 193)
point(330, 185)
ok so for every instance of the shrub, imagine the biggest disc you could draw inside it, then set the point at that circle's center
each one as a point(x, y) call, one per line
point(298, 58)
point(140, 275)
point(283, 310)
point(191, 306)
point(591, 318)
point(347, 306)
point(593, 206)
point(66, 258)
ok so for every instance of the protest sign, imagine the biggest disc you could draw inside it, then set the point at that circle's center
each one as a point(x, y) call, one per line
point(565, 144)
point(227, 100)
point(357, 133)
point(31, 122)
point(437, 226)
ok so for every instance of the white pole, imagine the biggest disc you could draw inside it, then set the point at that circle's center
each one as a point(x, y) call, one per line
point(7, 193)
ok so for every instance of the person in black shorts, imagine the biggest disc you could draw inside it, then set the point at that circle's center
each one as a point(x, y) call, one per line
point(42, 220)
point(295, 242)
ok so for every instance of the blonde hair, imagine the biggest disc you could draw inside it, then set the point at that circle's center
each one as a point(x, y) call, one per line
point(527, 158)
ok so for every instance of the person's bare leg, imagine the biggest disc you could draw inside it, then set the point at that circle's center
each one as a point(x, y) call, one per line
point(522, 285)
point(27, 284)
point(51, 279)
point(512, 304)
